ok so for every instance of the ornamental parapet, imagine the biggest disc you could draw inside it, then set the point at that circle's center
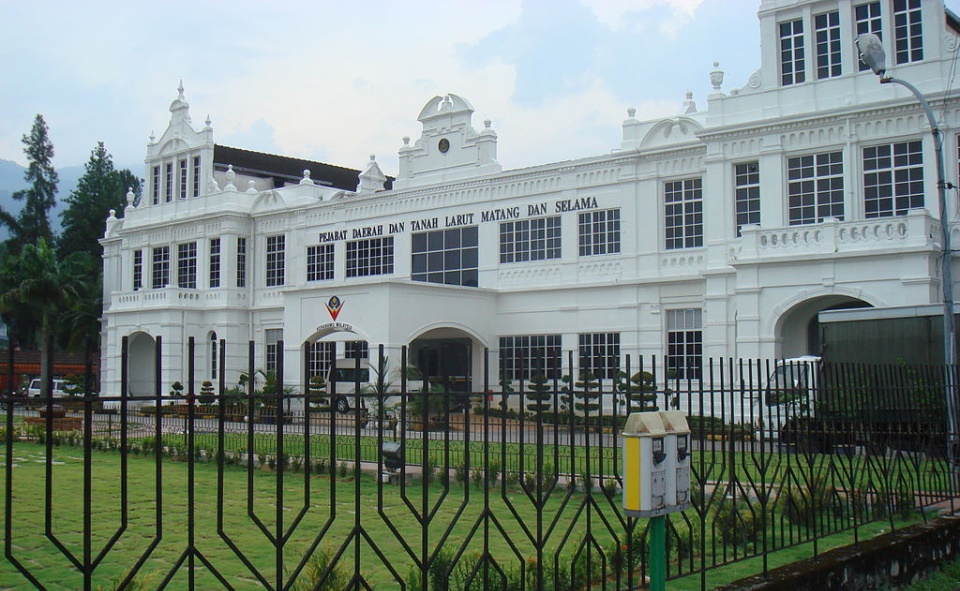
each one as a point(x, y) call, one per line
point(175, 297)
point(917, 230)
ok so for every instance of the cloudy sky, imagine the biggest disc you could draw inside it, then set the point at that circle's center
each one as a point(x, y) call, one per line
point(337, 81)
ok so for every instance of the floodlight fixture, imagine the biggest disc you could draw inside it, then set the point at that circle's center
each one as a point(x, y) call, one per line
point(872, 53)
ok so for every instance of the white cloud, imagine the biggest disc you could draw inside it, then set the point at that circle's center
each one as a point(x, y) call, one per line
point(670, 15)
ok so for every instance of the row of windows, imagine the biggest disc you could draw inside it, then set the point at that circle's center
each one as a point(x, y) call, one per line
point(906, 28)
point(175, 179)
point(524, 357)
point(892, 185)
point(186, 265)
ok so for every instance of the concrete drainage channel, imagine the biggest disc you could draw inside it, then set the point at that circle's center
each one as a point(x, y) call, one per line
point(894, 559)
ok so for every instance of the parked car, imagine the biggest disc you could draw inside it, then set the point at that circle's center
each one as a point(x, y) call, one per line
point(33, 390)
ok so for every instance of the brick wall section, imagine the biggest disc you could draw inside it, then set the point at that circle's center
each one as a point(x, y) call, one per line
point(897, 558)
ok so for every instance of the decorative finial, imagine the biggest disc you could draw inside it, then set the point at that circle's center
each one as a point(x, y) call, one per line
point(230, 176)
point(208, 122)
point(487, 123)
point(251, 186)
point(180, 89)
point(130, 197)
point(688, 105)
point(406, 140)
point(631, 112)
point(716, 76)
point(306, 180)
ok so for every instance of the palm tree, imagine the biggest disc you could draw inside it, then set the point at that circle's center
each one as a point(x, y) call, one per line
point(36, 288)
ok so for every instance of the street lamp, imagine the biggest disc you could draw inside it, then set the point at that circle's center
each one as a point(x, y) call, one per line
point(872, 54)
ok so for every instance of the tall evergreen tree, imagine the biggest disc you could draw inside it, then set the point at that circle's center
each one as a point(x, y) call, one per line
point(100, 189)
point(33, 223)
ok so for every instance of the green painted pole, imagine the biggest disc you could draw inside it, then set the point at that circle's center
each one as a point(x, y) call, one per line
point(658, 553)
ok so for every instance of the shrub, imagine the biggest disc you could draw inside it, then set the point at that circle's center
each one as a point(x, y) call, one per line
point(805, 504)
point(738, 523)
point(461, 474)
point(319, 574)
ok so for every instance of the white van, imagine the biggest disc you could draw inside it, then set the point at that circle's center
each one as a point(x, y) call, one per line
point(33, 390)
point(341, 391)
point(789, 394)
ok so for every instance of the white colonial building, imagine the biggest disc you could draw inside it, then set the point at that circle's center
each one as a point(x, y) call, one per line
point(713, 233)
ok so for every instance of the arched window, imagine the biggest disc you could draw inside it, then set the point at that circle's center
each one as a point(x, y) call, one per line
point(213, 356)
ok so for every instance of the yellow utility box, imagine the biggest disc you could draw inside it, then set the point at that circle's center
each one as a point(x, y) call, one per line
point(656, 464)
point(644, 466)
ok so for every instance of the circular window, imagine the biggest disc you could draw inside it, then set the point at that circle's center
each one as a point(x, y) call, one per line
point(444, 145)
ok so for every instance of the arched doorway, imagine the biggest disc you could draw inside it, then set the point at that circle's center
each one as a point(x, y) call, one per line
point(448, 356)
point(798, 329)
point(142, 355)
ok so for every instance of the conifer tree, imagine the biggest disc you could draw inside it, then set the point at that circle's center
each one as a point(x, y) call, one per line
point(100, 189)
point(33, 223)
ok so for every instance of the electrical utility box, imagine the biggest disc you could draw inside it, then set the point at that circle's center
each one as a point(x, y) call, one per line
point(655, 453)
point(677, 448)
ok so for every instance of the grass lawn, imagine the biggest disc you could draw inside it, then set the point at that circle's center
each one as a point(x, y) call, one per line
point(388, 513)
point(390, 525)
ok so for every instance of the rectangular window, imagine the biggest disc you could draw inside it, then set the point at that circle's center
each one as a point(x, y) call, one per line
point(187, 265)
point(275, 260)
point(599, 232)
point(522, 357)
point(214, 262)
point(683, 214)
point(684, 343)
point(241, 262)
point(892, 179)
point(373, 256)
point(196, 176)
point(183, 179)
point(815, 187)
point(536, 239)
point(600, 354)
point(449, 257)
point(355, 349)
point(321, 358)
point(168, 188)
point(827, 29)
point(161, 267)
point(320, 262)
point(747, 194)
point(792, 62)
point(907, 31)
point(155, 189)
point(272, 337)
point(137, 270)
point(868, 21)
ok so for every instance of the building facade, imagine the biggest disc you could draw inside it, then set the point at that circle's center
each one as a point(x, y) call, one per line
point(713, 233)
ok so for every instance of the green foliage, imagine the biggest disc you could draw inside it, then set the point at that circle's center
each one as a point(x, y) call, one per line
point(176, 390)
point(33, 223)
point(539, 394)
point(321, 574)
point(582, 394)
point(207, 392)
point(100, 189)
point(640, 389)
point(738, 523)
point(805, 504)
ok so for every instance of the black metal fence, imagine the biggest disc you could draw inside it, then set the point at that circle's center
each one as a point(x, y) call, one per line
point(264, 487)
